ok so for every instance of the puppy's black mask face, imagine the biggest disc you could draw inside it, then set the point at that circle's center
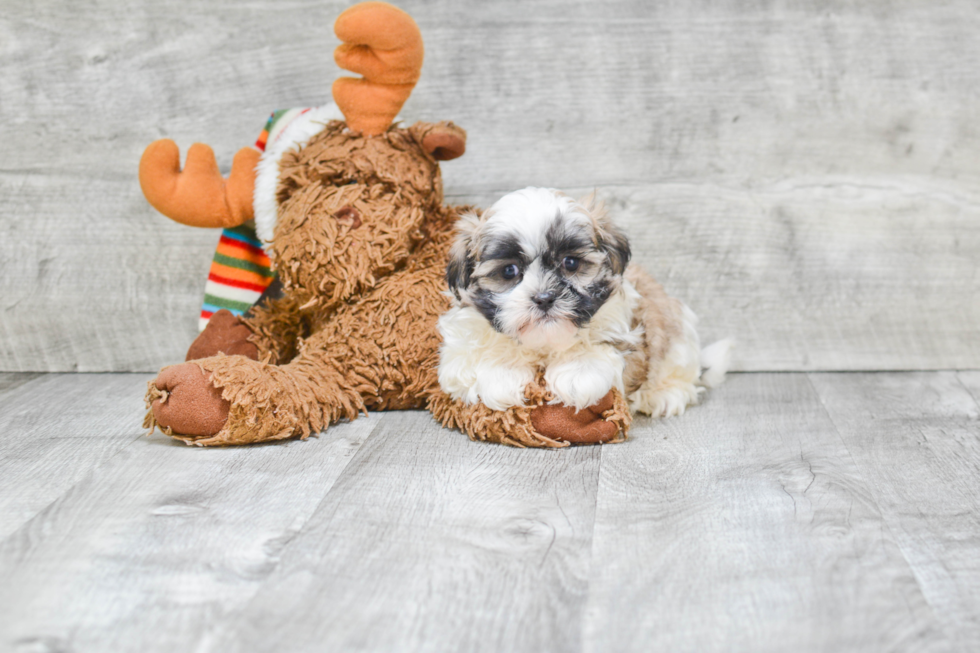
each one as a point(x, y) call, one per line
point(540, 272)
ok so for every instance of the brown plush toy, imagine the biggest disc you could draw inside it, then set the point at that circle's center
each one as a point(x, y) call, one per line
point(353, 218)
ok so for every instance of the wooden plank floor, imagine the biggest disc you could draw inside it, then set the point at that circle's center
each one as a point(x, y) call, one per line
point(789, 512)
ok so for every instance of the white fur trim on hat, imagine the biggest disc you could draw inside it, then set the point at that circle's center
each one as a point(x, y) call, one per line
point(297, 133)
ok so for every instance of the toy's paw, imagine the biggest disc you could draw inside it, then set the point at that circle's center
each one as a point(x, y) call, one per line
point(586, 426)
point(183, 401)
point(225, 333)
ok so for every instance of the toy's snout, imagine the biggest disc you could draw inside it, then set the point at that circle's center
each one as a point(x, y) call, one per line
point(349, 216)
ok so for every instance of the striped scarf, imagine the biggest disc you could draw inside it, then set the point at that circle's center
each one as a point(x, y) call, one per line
point(241, 271)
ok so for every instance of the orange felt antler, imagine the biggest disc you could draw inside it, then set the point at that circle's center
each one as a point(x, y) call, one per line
point(199, 196)
point(382, 43)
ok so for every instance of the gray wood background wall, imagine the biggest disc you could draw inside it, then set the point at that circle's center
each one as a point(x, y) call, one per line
point(806, 175)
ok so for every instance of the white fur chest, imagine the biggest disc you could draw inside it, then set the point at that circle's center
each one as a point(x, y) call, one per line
point(478, 363)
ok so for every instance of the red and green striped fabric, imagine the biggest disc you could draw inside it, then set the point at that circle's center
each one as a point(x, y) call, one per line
point(241, 271)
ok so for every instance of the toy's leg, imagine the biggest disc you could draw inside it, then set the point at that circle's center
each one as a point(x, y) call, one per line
point(259, 401)
point(599, 423)
point(276, 326)
point(268, 331)
point(537, 423)
point(381, 353)
point(224, 334)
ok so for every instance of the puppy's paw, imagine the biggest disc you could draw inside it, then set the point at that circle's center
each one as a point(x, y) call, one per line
point(500, 388)
point(580, 383)
point(666, 400)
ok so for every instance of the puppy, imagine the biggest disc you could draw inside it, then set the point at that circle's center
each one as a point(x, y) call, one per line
point(543, 282)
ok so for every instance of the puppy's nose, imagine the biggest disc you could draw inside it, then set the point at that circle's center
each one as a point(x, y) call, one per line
point(544, 299)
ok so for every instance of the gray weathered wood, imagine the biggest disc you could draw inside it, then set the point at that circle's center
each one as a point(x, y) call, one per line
point(773, 517)
point(90, 287)
point(804, 174)
point(11, 380)
point(816, 275)
point(746, 526)
point(971, 381)
point(151, 549)
point(430, 542)
point(55, 430)
point(916, 438)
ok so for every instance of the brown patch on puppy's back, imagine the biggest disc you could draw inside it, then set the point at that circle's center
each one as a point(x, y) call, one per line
point(662, 318)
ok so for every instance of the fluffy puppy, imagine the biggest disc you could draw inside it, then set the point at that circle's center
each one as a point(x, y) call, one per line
point(543, 282)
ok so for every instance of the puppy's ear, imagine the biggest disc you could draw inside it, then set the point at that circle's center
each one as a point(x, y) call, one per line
point(616, 245)
point(462, 257)
point(609, 237)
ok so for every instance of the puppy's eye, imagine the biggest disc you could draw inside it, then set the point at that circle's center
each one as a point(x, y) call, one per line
point(510, 272)
point(570, 263)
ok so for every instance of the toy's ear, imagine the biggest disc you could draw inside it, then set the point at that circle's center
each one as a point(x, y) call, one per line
point(443, 141)
point(462, 258)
